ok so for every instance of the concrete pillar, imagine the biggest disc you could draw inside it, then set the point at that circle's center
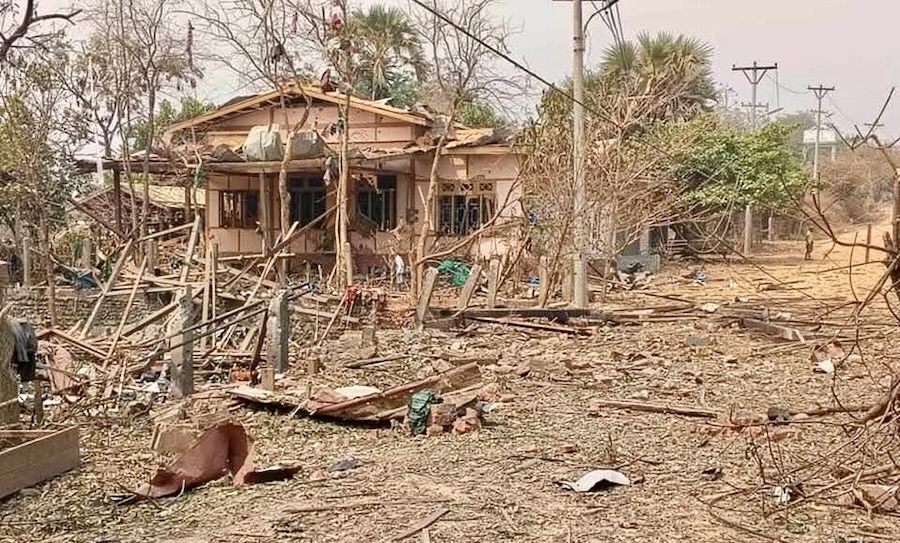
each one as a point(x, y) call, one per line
point(152, 255)
point(27, 262)
point(493, 282)
point(468, 289)
point(544, 280)
point(425, 297)
point(644, 242)
point(87, 253)
point(348, 254)
point(181, 368)
point(278, 330)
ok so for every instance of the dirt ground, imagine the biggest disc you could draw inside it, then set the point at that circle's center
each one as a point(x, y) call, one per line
point(499, 484)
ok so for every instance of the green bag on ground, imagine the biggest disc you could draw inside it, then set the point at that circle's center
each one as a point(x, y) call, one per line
point(419, 408)
point(457, 271)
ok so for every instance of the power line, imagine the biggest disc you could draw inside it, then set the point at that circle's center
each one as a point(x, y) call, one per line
point(785, 87)
point(518, 65)
point(839, 110)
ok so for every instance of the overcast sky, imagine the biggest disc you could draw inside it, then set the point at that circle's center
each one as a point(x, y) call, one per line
point(848, 44)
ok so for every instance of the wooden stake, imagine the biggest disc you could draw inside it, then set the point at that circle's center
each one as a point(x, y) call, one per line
point(26, 262)
point(192, 246)
point(107, 287)
point(868, 240)
point(207, 294)
point(49, 269)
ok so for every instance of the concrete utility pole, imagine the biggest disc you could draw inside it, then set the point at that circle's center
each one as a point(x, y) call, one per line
point(754, 75)
point(579, 271)
point(820, 93)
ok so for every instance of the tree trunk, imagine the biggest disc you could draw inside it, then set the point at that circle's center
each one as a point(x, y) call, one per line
point(151, 134)
point(129, 175)
point(342, 272)
point(428, 225)
point(284, 207)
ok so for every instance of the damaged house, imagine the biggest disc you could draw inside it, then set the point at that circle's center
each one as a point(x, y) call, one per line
point(241, 146)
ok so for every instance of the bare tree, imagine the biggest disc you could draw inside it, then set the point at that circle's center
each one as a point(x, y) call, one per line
point(22, 26)
point(263, 44)
point(463, 40)
point(158, 50)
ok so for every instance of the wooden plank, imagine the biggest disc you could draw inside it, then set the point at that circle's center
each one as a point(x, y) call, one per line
point(192, 246)
point(150, 319)
point(107, 287)
point(468, 289)
point(322, 314)
point(37, 460)
point(167, 232)
point(127, 312)
point(78, 344)
point(534, 326)
point(561, 314)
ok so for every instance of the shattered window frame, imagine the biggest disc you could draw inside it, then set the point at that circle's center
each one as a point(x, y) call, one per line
point(379, 203)
point(239, 208)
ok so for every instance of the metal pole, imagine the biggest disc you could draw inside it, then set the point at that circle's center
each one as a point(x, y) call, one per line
point(579, 270)
point(820, 93)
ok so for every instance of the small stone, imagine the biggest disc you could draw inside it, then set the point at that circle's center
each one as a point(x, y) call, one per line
point(345, 464)
point(507, 398)
point(434, 430)
point(318, 475)
point(641, 395)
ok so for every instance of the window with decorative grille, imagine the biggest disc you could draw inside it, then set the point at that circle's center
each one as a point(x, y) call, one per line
point(465, 205)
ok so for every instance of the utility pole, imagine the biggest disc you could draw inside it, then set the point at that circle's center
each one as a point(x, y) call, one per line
point(579, 271)
point(820, 93)
point(754, 75)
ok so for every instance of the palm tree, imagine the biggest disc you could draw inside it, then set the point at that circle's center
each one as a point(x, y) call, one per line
point(391, 51)
point(674, 70)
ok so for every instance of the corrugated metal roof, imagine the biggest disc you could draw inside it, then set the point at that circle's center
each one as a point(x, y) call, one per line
point(161, 195)
point(168, 196)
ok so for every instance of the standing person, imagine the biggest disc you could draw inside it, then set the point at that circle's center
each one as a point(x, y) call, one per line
point(809, 244)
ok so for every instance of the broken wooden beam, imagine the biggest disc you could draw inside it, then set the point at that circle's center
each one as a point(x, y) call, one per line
point(555, 314)
point(657, 408)
point(534, 325)
point(372, 361)
point(776, 330)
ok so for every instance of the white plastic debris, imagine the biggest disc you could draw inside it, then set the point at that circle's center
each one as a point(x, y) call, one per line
point(599, 479)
